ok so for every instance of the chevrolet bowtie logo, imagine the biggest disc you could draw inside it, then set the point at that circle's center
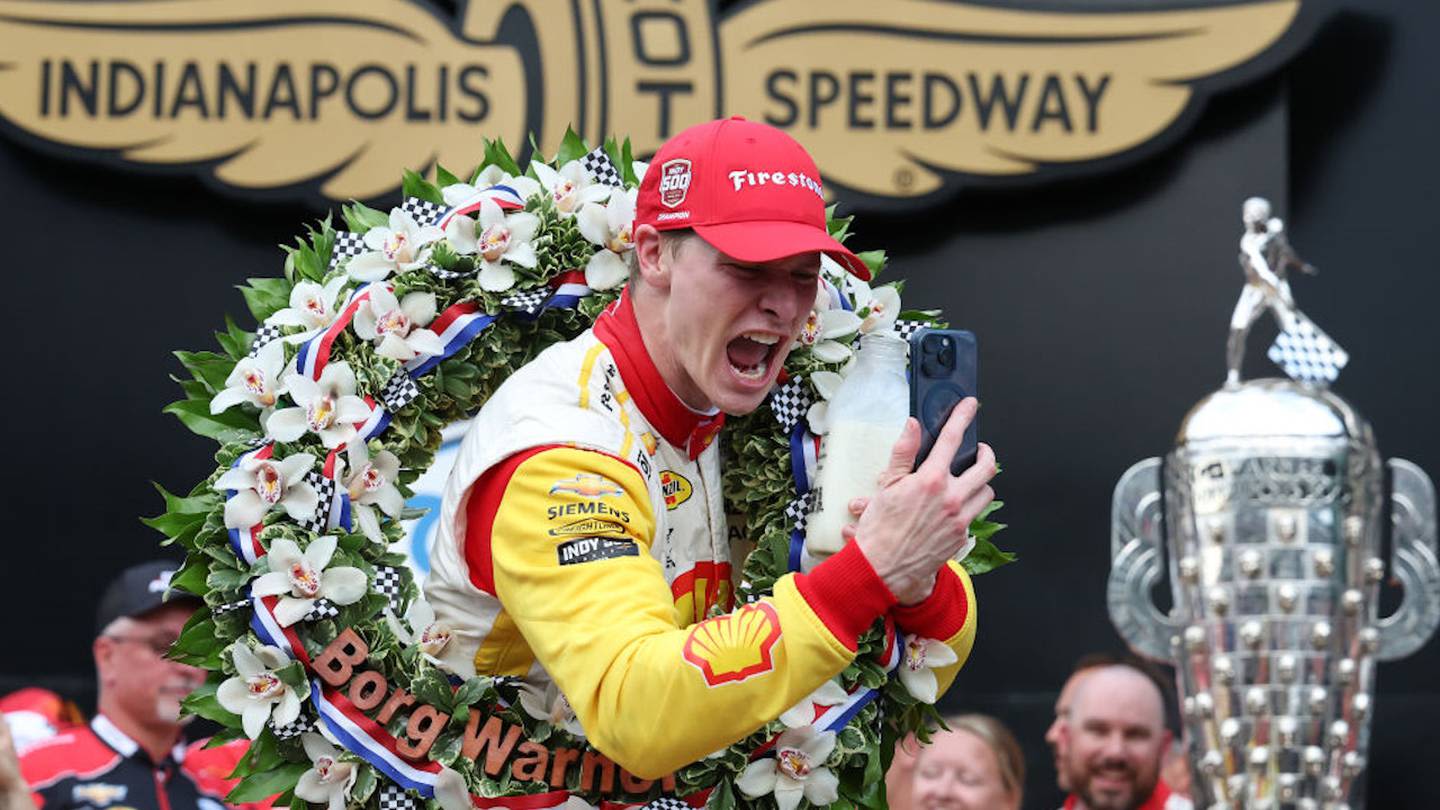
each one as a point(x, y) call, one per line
point(898, 101)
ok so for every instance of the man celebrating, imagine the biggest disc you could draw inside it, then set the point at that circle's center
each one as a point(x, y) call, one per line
point(559, 558)
point(131, 755)
point(1113, 743)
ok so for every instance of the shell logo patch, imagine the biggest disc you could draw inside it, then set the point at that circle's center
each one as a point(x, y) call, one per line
point(677, 488)
point(588, 485)
point(734, 647)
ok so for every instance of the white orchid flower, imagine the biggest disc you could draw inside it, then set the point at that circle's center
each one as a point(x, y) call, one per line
point(432, 636)
point(329, 780)
point(497, 240)
point(551, 707)
point(878, 307)
point(611, 227)
point(257, 694)
point(802, 714)
point(263, 484)
point(312, 307)
point(570, 187)
point(371, 482)
point(795, 770)
point(492, 175)
point(299, 579)
point(327, 407)
point(827, 322)
point(826, 383)
point(396, 327)
point(917, 670)
point(451, 791)
point(404, 245)
point(255, 380)
point(639, 167)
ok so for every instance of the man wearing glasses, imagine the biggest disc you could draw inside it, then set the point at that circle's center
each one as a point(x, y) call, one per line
point(131, 755)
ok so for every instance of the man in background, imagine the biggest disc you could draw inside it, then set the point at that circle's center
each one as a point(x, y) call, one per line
point(1113, 742)
point(131, 754)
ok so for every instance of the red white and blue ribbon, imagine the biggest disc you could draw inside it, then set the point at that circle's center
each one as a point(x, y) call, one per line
point(314, 353)
point(504, 196)
point(456, 326)
point(246, 542)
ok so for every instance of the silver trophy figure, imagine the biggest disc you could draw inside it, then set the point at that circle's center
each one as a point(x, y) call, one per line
point(1266, 257)
point(1268, 516)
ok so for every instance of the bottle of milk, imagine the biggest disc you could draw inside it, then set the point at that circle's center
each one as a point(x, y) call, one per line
point(866, 416)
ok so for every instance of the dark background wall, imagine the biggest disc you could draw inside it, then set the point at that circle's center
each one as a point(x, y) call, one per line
point(1101, 305)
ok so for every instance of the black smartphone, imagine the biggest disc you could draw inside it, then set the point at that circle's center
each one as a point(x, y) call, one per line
point(944, 369)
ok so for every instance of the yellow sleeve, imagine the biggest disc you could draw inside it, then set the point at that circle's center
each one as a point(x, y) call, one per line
point(572, 567)
point(948, 614)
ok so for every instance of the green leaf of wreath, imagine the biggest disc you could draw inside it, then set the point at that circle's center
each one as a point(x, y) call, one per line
point(259, 786)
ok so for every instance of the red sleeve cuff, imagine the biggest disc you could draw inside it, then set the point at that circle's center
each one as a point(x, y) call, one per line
point(942, 614)
point(846, 593)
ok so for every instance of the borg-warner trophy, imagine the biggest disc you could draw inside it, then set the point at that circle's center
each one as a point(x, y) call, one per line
point(1268, 514)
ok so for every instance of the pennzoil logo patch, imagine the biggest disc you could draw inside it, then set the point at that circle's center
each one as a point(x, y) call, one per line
point(590, 549)
point(676, 487)
point(588, 485)
point(734, 647)
point(588, 527)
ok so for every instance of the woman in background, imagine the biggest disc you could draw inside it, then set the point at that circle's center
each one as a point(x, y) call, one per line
point(976, 765)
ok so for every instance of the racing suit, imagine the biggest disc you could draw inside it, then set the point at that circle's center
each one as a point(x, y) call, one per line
point(582, 538)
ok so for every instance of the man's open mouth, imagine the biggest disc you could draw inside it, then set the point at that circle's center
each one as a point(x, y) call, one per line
point(750, 354)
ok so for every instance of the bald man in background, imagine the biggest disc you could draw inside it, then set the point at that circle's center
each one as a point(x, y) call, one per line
point(1113, 743)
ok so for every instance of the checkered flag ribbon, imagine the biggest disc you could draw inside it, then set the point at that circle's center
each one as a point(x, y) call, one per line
point(790, 402)
point(667, 803)
point(799, 510)
point(394, 797)
point(230, 607)
point(389, 582)
point(324, 487)
point(443, 274)
point(529, 302)
point(347, 246)
point(294, 728)
point(424, 211)
point(400, 390)
point(1307, 354)
point(322, 609)
point(905, 328)
point(264, 335)
point(602, 168)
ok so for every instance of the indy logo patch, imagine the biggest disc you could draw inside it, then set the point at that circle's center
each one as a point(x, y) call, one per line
point(590, 549)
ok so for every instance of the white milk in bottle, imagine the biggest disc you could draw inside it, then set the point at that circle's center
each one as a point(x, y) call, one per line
point(866, 415)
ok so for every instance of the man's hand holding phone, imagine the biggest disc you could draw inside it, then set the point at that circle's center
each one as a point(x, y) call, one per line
point(920, 517)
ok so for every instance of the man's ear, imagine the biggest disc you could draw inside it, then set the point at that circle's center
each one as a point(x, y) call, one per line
point(103, 650)
point(649, 258)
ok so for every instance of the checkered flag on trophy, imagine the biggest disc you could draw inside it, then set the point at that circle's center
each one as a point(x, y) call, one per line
point(1306, 354)
point(347, 245)
point(906, 327)
point(790, 402)
point(424, 211)
point(602, 168)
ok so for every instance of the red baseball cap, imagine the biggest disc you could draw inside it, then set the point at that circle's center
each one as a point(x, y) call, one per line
point(747, 188)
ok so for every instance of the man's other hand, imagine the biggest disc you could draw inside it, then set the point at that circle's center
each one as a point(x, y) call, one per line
point(919, 520)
